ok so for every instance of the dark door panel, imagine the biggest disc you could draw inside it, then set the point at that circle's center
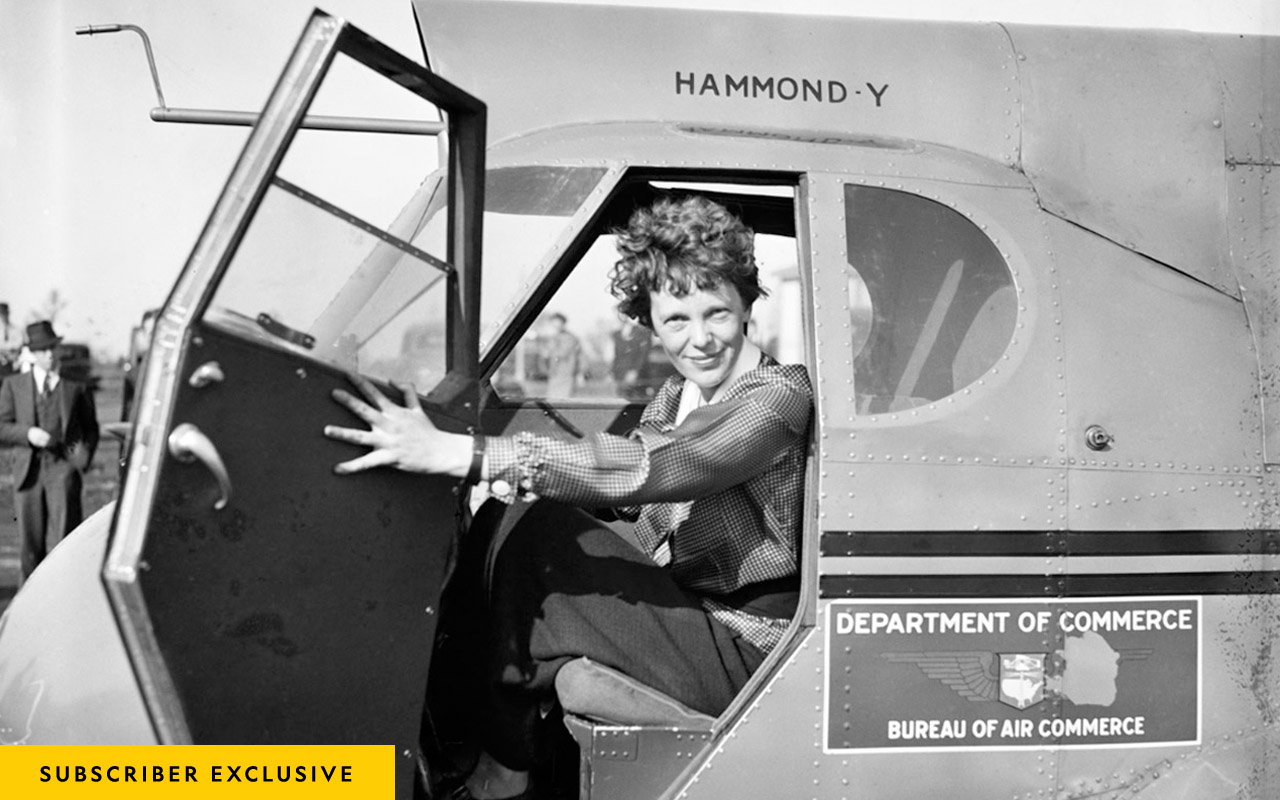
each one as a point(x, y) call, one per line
point(293, 614)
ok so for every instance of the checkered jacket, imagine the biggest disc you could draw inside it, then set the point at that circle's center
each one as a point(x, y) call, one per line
point(717, 499)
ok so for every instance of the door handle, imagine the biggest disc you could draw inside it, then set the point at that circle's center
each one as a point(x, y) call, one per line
point(187, 443)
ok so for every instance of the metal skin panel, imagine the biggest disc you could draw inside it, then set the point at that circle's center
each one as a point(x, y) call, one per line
point(920, 497)
point(1169, 500)
point(987, 456)
point(1122, 133)
point(1167, 366)
point(632, 763)
point(832, 372)
point(69, 682)
point(1252, 106)
point(674, 64)
point(1255, 237)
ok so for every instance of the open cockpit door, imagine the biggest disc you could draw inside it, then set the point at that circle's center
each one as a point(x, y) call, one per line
point(263, 599)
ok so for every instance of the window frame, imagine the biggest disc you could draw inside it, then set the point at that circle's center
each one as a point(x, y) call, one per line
point(593, 221)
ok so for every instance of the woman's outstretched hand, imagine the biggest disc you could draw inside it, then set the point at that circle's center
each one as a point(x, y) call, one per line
point(398, 436)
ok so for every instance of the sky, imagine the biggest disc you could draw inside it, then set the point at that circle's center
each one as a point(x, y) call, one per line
point(101, 205)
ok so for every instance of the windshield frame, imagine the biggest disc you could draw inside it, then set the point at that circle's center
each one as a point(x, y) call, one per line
point(525, 303)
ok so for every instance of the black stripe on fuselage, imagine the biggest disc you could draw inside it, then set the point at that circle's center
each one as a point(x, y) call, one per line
point(1111, 585)
point(1120, 579)
point(1049, 543)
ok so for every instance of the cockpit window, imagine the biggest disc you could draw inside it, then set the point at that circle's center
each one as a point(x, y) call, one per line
point(932, 303)
point(581, 349)
point(335, 265)
point(527, 210)
point(314, 277)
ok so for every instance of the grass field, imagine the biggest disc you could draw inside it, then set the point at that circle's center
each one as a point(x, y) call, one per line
point(100, 482)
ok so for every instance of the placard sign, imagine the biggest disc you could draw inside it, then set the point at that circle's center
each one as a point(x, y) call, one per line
point(964, 674)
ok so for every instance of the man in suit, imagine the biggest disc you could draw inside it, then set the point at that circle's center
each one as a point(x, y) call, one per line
point(55, 426)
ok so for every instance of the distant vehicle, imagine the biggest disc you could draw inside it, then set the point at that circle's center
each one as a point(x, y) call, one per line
point(1032, 272)
point(75, 363)
point(135, 360)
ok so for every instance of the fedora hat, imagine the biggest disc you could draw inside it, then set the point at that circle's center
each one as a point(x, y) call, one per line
point(40, 336)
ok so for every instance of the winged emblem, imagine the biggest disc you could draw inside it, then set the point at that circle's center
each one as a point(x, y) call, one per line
point(971, 674)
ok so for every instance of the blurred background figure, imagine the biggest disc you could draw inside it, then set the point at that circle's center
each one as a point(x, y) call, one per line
point(52, 423)
point(630, 369)
point(562, 354)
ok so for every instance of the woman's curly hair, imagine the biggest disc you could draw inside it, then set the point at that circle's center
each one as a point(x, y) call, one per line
point(680, 245)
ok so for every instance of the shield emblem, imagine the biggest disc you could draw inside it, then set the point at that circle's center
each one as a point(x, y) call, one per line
point(1021, 679)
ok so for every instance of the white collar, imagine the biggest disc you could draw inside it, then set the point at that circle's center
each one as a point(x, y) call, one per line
point(691, 396)
point(39, 374)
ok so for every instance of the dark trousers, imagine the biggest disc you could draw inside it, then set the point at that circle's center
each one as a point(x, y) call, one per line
point(48, 509)
point(562, 584)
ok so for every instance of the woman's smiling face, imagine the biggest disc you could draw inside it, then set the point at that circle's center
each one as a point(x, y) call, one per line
point(702, 332)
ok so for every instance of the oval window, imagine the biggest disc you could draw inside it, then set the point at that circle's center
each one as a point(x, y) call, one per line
point(932, 303)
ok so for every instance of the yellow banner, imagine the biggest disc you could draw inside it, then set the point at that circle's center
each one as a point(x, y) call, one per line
point(232, 772)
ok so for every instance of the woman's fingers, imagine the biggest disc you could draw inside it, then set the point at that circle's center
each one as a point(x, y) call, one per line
point(375, 398)
point(410, 395)
point(355, 405)
point(371, 393)
point(374, 458)
point(352, 435)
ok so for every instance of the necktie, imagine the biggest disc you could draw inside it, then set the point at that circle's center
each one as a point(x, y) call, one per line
point(44, 384)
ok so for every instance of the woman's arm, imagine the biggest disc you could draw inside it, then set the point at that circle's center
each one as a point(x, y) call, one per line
point(716, 447)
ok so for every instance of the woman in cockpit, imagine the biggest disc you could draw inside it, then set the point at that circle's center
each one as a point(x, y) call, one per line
point(712, 476)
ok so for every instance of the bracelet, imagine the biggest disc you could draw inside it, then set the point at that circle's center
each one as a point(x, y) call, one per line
point(477, 459)
point(520, 464)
